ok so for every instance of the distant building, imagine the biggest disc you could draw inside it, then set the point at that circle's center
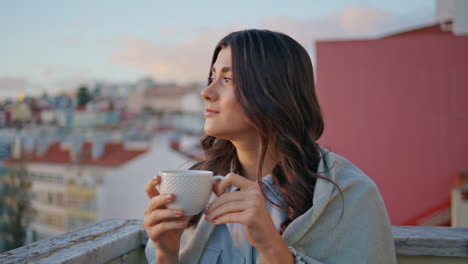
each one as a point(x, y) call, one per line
point(36, 110)
point(113, 90)
point(48, 116)
point(92, 118)
point(123, 193)
point(68, 178)
point(397, 106)
point(160, 98)
point(20, 112)
point(64, 117)
point(5, 117)
point(62, 102)
point(5, 148)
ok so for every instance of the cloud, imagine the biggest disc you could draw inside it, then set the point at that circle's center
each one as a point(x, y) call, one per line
point(185, 61)
point(360, 22)
point(188, 60)
point(11, 87)
point(12, 83)
point(362, 19)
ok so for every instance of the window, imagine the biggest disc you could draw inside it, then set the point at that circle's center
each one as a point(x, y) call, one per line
point(60, 200)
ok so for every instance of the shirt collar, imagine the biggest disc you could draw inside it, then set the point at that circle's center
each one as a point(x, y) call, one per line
point(273, 187)
point(267, 180)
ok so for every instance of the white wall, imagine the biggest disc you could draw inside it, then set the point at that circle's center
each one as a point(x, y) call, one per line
point(459, 207)
point(444, 10)
point(460, 17)
point(135, 100)
point(47, 116)
point(122, 194)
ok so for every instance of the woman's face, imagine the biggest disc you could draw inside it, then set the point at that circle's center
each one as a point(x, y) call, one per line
point(224, 117)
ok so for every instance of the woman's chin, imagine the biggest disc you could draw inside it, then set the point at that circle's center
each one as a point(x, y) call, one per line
point(210, 131)
point(215, 133)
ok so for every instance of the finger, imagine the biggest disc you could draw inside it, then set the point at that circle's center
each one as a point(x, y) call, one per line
point(237, 217)
point(161, 228)
point(150, 187)
point(163, 215)
point(227, 208)
point(232, 179)
point(159, 202)
point(225, 198)
point(215, 187)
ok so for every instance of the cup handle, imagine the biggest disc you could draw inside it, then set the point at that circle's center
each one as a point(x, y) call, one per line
point(217, 177)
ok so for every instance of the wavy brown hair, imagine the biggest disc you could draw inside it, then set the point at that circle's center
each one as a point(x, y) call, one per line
point(274, 84)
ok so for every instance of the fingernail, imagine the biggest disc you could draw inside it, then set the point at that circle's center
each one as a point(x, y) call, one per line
point(177, 212)
point(155, 178)
point(207, 218)
point(169, 197)
point(182, 223)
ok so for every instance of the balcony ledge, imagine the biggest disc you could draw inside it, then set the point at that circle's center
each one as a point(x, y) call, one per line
point(111, 241)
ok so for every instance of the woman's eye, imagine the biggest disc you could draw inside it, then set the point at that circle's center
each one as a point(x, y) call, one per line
point(225, 79)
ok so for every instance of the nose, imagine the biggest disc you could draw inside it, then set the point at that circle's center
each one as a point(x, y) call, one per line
point(209, 93)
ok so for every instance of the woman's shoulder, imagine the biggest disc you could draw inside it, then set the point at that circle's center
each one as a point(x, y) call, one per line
point(342, 171)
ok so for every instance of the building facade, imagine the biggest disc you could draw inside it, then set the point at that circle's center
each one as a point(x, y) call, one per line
point(66, 179)
point(397, 107)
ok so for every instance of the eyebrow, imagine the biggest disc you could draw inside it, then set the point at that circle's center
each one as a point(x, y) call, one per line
point(223, 70)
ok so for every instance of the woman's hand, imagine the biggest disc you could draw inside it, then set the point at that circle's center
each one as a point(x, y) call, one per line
point(163, 226)
point(246, 207)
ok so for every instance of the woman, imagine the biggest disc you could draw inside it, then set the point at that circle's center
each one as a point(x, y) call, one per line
point(284, 198)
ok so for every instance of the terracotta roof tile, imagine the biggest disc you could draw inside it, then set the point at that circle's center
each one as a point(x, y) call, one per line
point(114, 155)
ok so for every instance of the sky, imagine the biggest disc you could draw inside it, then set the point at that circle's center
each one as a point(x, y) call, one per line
point(52, 45)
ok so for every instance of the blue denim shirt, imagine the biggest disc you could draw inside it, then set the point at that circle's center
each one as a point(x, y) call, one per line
point(228, 242)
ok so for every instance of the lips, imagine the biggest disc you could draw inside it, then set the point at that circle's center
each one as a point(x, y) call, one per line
point(210, 112)
point(207, 110)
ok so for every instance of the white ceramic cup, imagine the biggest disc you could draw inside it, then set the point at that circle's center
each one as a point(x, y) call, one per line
point(192, 188)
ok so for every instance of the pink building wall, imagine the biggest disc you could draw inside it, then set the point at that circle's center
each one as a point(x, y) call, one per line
point(397, 107)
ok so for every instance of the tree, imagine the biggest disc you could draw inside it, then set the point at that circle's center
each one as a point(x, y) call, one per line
point(16, 202)
point(83, 96)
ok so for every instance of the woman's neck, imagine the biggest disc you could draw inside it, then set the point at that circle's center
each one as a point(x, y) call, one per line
point(248, 153)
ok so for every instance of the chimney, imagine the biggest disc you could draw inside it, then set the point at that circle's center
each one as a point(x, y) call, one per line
point(29, 142)
point(16, 147)
point(42, 146)
point(76, 149)
point(97, 149)
point(451, 14)
point(98, 145)
point(460, 17)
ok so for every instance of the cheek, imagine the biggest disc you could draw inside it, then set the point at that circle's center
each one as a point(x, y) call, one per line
point(236, 114)
point(247, 121)
point(239, 121)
